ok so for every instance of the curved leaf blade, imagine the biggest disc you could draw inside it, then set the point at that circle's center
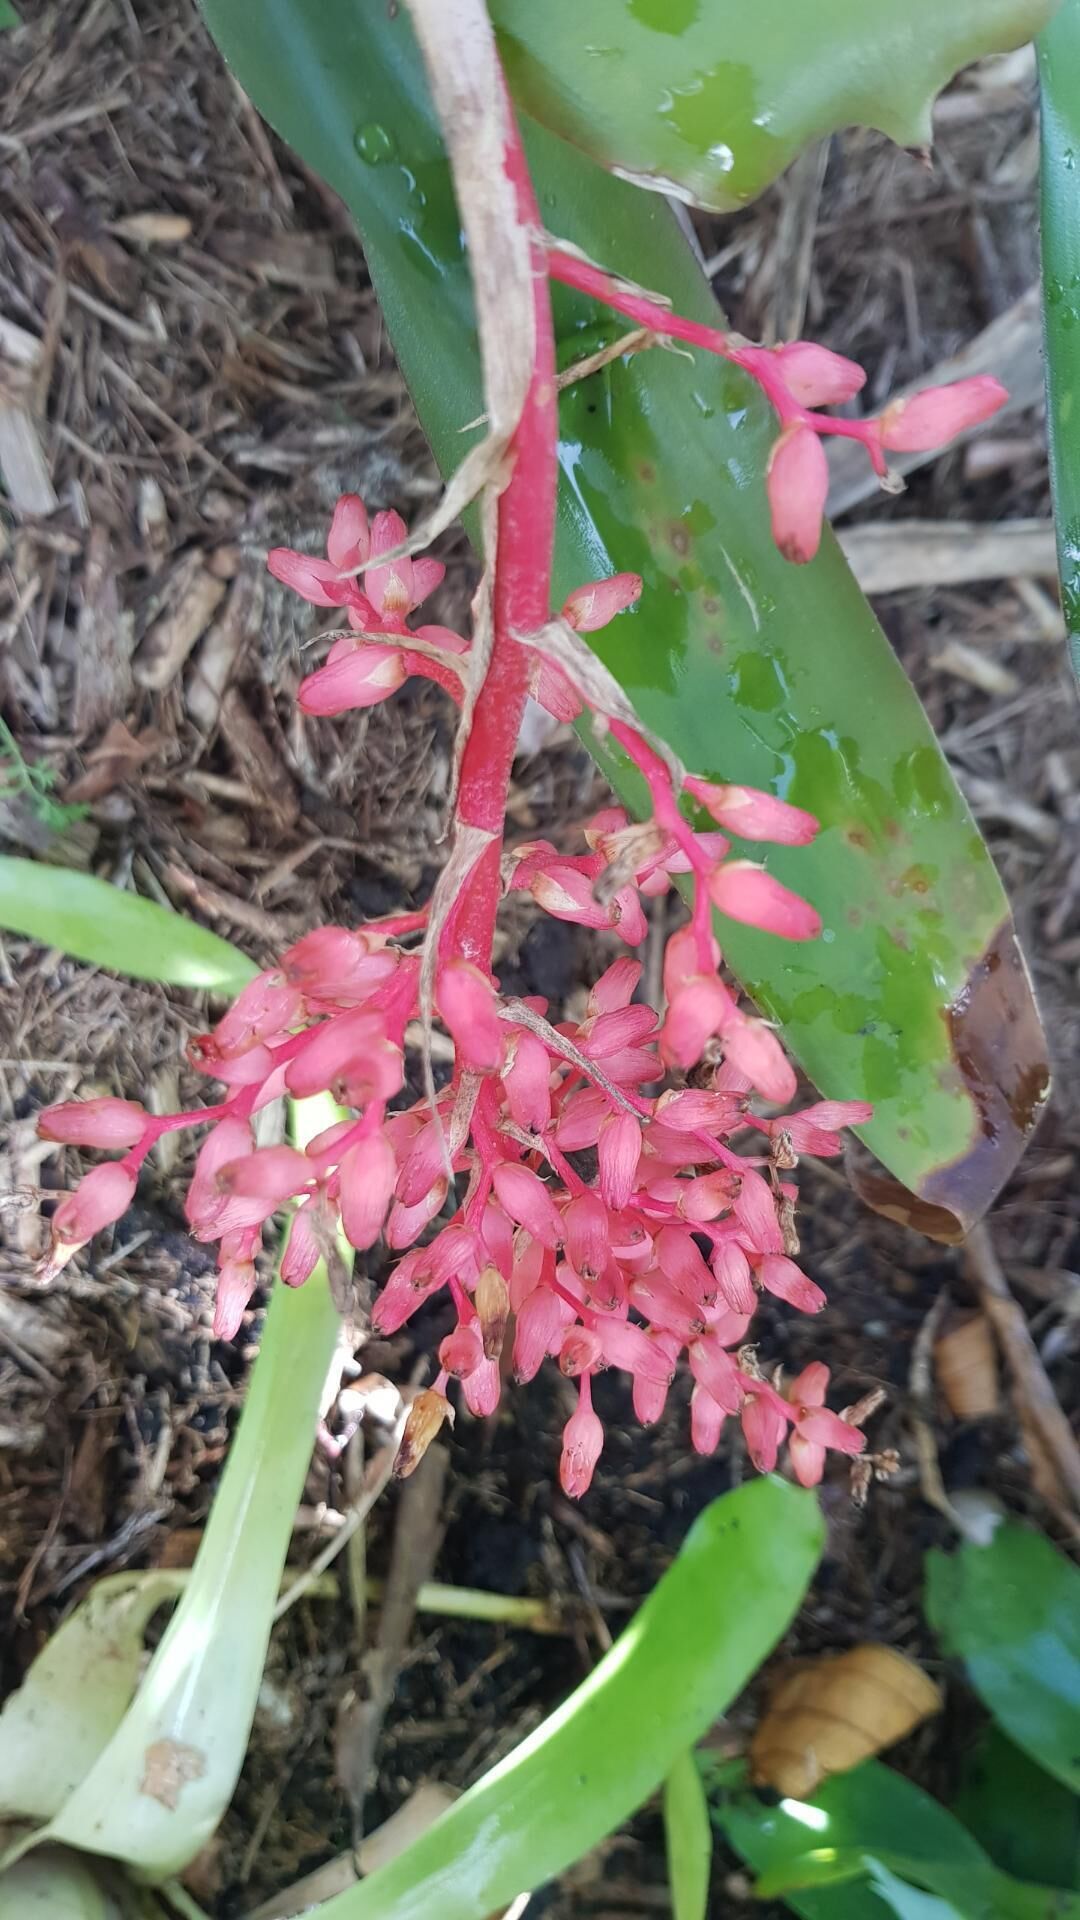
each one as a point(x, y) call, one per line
point(916, 997)
point(1028, 1822)
point(107, 927)
point(688, 1839)
point(1059, 75)
point(711, 102)
point(1011, 1612)
point(708, 1623)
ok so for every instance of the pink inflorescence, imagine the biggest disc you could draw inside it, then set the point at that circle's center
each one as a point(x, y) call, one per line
point(568, 1190)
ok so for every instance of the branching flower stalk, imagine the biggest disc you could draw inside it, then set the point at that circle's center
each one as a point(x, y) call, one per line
point(573, 1189)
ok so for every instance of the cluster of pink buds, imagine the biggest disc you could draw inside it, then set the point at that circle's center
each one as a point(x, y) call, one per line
point(798, 379)
point(567, 1192)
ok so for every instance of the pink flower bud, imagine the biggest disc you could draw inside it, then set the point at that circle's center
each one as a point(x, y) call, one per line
point(255, 1186)
point(764, 1426)
point(348, 542)
point(665, 1307)
point(315, 580)
point(527, 1200)
point(538, 1323)
point(235, 1286)
point(798, 483)
point(755, 1212)
point(93, 1123)
point(808, 1388)
point(263, 1012)
point(649, 1398)
point(462, 1351)
point(715, 1370)
point(780, 1276)
point(619, 1150)
point(467, 1004)
point(629, 1347)
point(349, 1057)
point(731, 1270)
point(406, 1224)
point(757, 1052)
point(591, 607)
point(695, 1012)
point(615, 987)
point(98, 1200)
point(482, 1389)
point(706, 1421)
point(367, 1177)
point(754, 815)
point(936, 415)
point(556, 694)
point(581, 1120)
point(335, 968)
point(362, 676)
point(747, 893)
point(230, 1140)
point(587, 1232)
point(817, 1129)
point(527, 1080)
point(567, 895)
point(817, 377)
point(683, 1265)
point(583, 1440)
point(302, 1251)
point(706, 1196)
point(410, 1284)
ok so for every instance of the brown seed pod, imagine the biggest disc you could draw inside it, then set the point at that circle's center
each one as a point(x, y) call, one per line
point(965, 1361)
point(827, 1715)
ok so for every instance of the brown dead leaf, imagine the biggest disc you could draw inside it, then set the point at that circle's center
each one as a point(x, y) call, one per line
point(965, 1361)
point(827, 1715)
point(168, 1765)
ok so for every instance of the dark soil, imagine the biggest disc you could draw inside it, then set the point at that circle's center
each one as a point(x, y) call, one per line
point(203, 390)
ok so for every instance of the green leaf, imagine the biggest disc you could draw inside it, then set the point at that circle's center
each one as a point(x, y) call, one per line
point(1011, 1612)
point(906, 1901)
point(705, 1627)
point(756, 671)
point(1027, 1821)
point(1059, 74)
point(711, 99)
point(75, 1694)
point(54, 1885)
point(870, 1820)
point(106, 927)
point(688, 1837)
point(8, 15)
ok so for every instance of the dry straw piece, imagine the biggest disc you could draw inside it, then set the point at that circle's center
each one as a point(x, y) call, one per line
point(826, 1716)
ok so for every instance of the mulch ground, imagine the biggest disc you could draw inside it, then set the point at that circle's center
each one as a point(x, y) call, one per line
point(189, 339)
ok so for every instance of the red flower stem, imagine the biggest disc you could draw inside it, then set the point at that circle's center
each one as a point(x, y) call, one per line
point(521, 596)
point(756, 361)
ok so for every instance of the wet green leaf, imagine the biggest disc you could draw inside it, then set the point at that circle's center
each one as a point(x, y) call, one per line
point(688, 1838)
point(708, 1623)
point(711, 99)
point(1027, 1821)
point(865, 1838)
point(1011, 1612)
point(1059, 75)
point(915, 997)
point(8, 15)
point(106, 927)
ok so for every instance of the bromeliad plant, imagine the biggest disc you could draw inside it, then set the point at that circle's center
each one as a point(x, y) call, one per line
point(663, 1243)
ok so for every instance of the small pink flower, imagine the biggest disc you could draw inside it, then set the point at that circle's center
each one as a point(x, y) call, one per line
point(780, 1276)
point(798, 483)
point(538, 1323)
point(591, 607)
point(303, 1250)
point(399, 587)
point(764, 1419)
point(615, 988)
point(817, 1129)
point(579, 1352)
point(93, 1123)
point(367, 1176)
point(936, 415)
point(629, 1347)
point(99, 1199)
point(715, 1370)
point(527, 1080)
point(333, 967)
point(816, 1429)
point(361, 675)
point(567, 894)
point(230, 1140)
point(235, 1286)
point(754, 815)
point(348, 542)
point(254, 1187)
point(406, 1224)
point(482, 1389)
point(587, 1230)
point(528, 1201)
point(706, 1421)
point(753, 1047)
point(619, 1150)
point(696, 1010)
point(817, 377)
point(583, 1440)
point(731, 1269)
point(468, 1004)
point(462, 1351)
point(747, 893)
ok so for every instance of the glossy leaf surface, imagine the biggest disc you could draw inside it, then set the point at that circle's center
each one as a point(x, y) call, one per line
point(708, 1623)
point(711, 99)
point(1059, 76)
point(1011, 1612)
point(915, 997)
point(107, 927)
point(1028, 1822)
point(838, 1855)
